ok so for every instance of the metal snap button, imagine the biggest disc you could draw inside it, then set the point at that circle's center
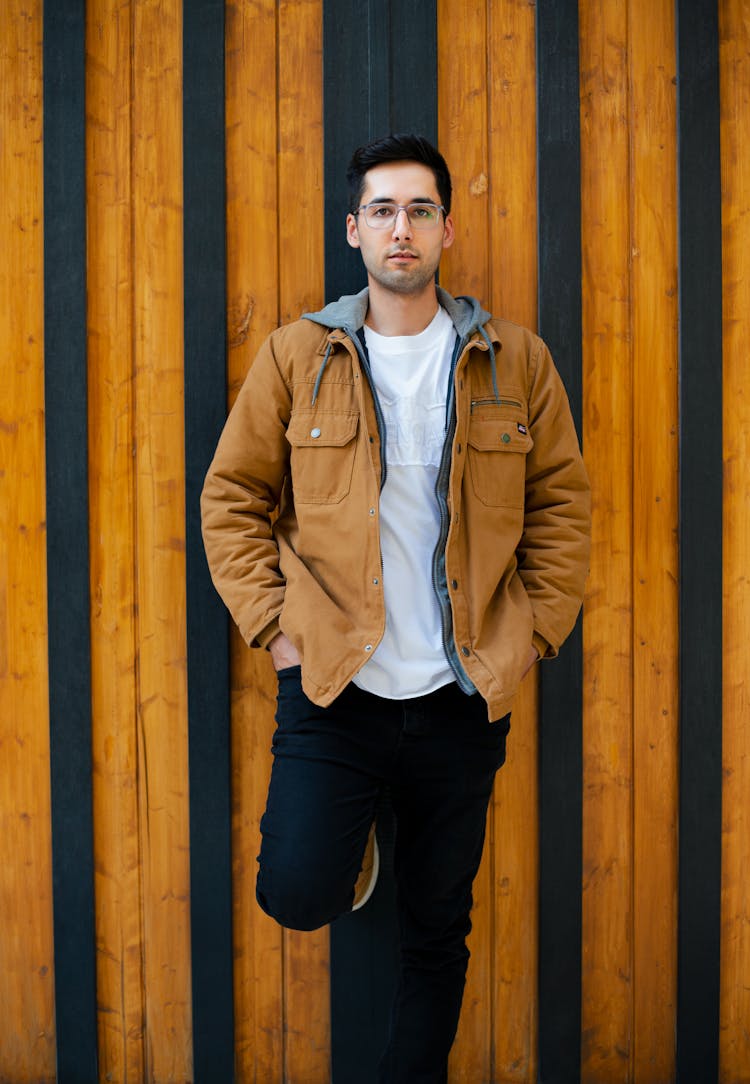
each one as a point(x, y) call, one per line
point(315, 433)
point(505, 438)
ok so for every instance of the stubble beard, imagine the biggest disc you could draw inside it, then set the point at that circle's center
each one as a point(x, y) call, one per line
point(405, 281)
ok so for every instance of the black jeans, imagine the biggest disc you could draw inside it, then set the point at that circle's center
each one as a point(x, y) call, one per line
point(438, 754)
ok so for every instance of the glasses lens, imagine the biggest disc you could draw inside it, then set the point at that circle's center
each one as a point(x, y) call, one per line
point(423, 215)
point(381, 216)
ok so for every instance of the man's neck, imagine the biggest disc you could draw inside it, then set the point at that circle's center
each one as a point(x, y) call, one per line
point(389, 313)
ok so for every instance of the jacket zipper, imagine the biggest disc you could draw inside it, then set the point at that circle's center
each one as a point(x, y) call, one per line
point(439, 577)
point(490, 399)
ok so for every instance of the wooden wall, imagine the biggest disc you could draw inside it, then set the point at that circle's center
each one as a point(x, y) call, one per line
point(631, 792)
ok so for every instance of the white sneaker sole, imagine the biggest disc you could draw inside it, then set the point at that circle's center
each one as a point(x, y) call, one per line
point(373, 877)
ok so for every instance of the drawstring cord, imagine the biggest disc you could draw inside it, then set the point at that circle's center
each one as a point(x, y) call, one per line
point(493, 366)
point(321, 370)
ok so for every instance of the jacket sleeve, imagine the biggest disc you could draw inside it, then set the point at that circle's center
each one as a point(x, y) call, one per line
point(240, 495)
point(553, 554)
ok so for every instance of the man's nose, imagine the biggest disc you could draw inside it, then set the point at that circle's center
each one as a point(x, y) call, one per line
point(402, 224)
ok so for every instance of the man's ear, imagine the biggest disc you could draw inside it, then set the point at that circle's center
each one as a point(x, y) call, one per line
point(449, 233)
point(352, 233)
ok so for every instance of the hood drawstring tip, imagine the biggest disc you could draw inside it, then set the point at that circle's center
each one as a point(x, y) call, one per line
point(319, 377)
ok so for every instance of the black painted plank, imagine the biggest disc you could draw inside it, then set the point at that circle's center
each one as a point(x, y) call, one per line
point(413, 66)
point(380, 76)
point(347, 119)
point(207, 626)
point(66, 408)
point(700, 339)
point(561, 701)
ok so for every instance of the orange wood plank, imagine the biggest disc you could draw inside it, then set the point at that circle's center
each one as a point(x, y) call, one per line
point(513, 294)
point(252, 288)
point(160, 536)
point(301, 288)
point(608, 440)
point(463, 140)
point(27, 1049)
point(734, 1053)
point(112, 542)
point(652, 63)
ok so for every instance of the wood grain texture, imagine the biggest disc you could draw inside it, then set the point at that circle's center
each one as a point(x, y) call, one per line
point(652, 124)
point(513, 294)
point(463, 140)
point(112, 542)
point(734, 1049)
point(160, 537)
point(307, 1034)
point(607, 963)
point(27, 1038)
point(253, 311)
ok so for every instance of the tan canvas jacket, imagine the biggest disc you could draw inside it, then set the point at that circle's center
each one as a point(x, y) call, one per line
point(290, 502)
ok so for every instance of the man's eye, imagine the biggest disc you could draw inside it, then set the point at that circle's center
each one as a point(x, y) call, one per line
point(381, 211)
point(422, 210)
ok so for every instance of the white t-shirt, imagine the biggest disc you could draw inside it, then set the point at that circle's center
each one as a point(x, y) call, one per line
point(411, 374)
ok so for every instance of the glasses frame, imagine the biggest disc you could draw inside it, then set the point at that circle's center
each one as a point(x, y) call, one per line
point(405, 208)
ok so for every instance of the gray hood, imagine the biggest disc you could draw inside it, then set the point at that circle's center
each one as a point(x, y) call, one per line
point(349, 312)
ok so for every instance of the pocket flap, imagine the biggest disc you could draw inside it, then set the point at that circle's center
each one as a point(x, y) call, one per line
point(499, 435)
point(321, 430)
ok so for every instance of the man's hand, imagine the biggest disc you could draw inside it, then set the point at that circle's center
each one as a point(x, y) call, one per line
point(531, 659)
point(283, 652)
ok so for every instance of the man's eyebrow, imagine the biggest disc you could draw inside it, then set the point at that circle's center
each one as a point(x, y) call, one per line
point(414, 199)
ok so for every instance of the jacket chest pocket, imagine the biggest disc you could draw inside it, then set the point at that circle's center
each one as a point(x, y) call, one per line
point(497, 450)
point(322, 456)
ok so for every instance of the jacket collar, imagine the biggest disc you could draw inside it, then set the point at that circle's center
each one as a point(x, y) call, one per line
point(349, 312)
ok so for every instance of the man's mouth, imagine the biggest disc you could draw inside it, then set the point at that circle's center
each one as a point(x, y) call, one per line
point(402, 254)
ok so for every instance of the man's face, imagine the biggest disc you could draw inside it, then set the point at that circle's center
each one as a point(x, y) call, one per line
point(400, 258)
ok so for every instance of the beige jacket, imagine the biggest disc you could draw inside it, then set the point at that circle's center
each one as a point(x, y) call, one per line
point(290, 502)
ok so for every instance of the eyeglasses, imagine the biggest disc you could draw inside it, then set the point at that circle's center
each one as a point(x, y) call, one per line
point(382, 216)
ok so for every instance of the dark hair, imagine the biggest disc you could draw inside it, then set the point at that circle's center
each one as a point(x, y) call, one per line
point(397, 148)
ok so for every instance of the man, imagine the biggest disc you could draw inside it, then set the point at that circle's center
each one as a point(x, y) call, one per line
point(430, 542)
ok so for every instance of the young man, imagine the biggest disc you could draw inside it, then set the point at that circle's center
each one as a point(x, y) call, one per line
point(430, 542)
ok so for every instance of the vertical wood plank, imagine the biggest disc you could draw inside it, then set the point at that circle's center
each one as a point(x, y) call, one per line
point(701, 543)
point(204, 375)
point(27, 1051)
point(513, 294)
point(561, 695)
point(252, 292)
point(112, 542)
point(68, 611)
point(463, 140)
point(160, 536)
point(301, 288)
point(608, 439)
point(652, 123)
point(734, 1049)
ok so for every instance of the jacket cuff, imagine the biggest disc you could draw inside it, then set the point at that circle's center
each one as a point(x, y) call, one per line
point(545, 649)
point(264, 637)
